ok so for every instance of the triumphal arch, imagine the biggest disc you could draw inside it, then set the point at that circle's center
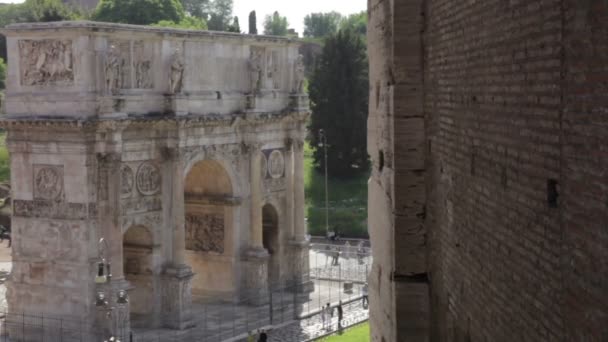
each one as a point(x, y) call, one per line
point(182, 149)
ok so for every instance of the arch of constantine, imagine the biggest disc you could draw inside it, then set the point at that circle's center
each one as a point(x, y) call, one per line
point(182, 149)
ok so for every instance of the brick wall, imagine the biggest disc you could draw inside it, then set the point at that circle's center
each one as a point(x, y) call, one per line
point(490, 108)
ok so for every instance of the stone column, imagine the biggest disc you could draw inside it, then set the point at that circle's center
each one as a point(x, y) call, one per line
point(256, 229)
point(298, 192)
point(254, 289)
point(289, 169)
point(177, 288)
point(299, 242)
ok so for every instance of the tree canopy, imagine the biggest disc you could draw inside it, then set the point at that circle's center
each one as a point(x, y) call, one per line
point(339, 95)
point(220, 15)
point(189, 22)
point(253, 23)
point(319, 25)
point(355, 22)
point(139, 12)
point(275, 25)
point(34, 11)
point(197, 8)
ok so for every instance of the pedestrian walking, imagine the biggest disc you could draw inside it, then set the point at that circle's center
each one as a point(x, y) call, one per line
point(337, 252)
point(340, 315)
point(263, 336)
point(324, 317)
point(328, 253)
point(360, 252)
point(364, 298)
point(347, 250)
point(250, 337)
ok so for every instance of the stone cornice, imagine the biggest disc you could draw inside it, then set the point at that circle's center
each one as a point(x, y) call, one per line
point(113, 27)
point(240, 119)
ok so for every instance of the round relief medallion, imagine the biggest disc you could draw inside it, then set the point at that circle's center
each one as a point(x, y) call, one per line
point(48, 182)
point(148, 179)
point(126, 180)
point(276, 164)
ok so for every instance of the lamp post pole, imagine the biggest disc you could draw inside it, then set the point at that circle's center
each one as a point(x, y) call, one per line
point(323, 140)
point(103, 280)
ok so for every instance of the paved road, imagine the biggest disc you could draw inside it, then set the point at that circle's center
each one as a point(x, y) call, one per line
point(312, 327)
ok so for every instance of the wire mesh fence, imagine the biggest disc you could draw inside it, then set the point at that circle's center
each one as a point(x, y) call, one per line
point(337, 274)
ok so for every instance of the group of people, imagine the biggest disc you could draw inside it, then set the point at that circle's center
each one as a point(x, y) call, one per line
point(327, 313)
point(335, 252)
point(258, 336)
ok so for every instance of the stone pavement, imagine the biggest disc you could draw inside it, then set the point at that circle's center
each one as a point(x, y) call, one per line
point(312, 327)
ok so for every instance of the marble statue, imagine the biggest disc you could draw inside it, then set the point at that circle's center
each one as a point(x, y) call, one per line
point(299, 75)
point(112, 70)
point(177, 73)
point(255, 70)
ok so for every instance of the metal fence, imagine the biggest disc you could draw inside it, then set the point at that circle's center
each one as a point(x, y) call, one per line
point(331, 281)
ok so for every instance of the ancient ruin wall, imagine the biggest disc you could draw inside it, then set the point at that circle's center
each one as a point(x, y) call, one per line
point(515, 200)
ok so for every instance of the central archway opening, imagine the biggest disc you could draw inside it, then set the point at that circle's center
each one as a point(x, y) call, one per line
point(209, 229)
point(138, 270)
point(270, 221)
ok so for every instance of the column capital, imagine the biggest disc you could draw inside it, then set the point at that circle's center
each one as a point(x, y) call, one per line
point(251, 147)
point(108, 159)
point(298, 144)
point(172, 154)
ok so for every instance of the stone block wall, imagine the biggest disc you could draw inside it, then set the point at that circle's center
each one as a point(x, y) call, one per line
point(489, 120)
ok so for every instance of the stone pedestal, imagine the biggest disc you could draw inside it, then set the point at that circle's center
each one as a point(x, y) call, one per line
point(112, 107)
point(254, 288)
point(301, 269)
point(177, 104)
point(250, 102)
point(114, 318)
point(300, 102)
point(177, 298)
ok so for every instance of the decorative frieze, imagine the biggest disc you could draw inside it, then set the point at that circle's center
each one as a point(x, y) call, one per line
point(46, 62)
point(54, 209)
point(205, 232)
point(140, 205)
point(126, 181)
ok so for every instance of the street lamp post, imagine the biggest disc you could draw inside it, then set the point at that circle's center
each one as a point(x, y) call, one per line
point(103, 279)
point(323, 141)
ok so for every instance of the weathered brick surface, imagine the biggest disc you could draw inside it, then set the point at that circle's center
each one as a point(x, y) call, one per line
point(476, 106)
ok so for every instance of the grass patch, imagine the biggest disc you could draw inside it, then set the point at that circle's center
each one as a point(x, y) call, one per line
point(347, 201)
point(5, 166)
point(359, 333)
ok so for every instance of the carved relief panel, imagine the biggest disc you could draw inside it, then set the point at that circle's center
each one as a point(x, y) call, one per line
point(148, 180)
point(46, 62)
point(205, 232)
point(126, 181)
point(273, 169)
point(48, 182)
point(273, 165)
point(273, 68)
point(128, 65)
point(142, 62)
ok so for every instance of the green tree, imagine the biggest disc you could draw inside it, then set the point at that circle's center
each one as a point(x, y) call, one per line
point(189, 22)
point(339, 96)
point(275, 25)
point(139, 12)
point(220, 15)
point(253, 23)
point(197, 8)
point(319, 25)
point(356, 22)
point(2, 74)
point(34, 11)
point(235, 27)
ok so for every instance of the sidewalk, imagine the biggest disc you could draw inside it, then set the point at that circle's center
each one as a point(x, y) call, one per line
point(312, 327)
